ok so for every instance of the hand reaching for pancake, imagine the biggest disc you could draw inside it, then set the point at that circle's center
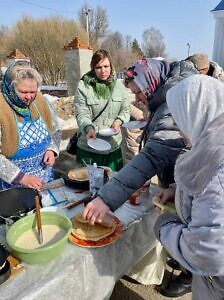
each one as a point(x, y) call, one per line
point(95, 211)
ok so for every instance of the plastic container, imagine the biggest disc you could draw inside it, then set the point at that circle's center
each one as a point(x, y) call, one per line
point(91, 173)
point(96, 178)
point(134, 199)
point(43, 254)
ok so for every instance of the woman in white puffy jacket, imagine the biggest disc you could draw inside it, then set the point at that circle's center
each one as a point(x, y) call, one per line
point(195, 236)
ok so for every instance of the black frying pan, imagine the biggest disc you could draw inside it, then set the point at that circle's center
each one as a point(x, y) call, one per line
point(72, 183)
point(81, 185)
point(76, 184)
point(17, 201)
point(4, 264)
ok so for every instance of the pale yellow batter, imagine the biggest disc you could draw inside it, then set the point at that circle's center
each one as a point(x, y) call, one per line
point(29, 239)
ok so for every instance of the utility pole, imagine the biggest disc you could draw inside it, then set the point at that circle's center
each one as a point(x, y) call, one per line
point(86, 12)
point(188, 49)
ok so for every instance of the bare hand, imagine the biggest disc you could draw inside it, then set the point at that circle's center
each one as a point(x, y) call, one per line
point(95, 210)
point(91, 134)
point(167, 195)
point(116, 126)
point(49, 158)
point(32, 182)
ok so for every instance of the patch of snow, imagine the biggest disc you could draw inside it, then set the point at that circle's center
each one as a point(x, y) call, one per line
point(68, 124)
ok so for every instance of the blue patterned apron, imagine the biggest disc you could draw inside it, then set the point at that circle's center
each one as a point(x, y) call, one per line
point(34, 139)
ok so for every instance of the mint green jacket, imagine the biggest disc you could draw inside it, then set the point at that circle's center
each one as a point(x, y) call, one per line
point(87, 106)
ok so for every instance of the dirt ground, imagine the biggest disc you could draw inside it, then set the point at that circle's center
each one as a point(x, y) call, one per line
point(126, 289)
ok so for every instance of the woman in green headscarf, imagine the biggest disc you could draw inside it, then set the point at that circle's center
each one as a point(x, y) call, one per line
point(99, 91)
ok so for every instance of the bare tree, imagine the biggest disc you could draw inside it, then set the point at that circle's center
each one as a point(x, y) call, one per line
point(153, 43)
point(128, 42)
point(43, 41)
point(4, 44)
point(136, 49)
point(120, 50)
point(97, 23)
point(114, 43)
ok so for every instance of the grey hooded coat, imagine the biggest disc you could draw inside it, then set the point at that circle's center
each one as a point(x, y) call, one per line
point(195, 237)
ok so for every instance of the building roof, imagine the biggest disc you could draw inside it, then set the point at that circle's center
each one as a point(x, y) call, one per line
point(220, 6)
point(17, 54)
point(76, 43)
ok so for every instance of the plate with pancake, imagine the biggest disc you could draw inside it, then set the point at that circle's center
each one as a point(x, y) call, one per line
point(98, 235)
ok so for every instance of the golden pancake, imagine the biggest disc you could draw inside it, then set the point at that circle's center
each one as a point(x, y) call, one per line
point(107, 221)
point(83, 230)
point(80, 174)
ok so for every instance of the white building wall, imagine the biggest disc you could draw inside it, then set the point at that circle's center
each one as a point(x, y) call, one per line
point(77, 63)
point(85, 56)
point(218, 46)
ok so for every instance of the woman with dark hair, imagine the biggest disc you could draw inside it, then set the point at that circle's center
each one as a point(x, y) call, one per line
point(101, 102)
point(29, 131)
point(149, 79)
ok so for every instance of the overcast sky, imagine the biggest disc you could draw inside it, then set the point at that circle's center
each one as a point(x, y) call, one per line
point(179, 21)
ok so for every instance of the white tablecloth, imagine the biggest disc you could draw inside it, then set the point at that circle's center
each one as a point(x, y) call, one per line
point(84, 273)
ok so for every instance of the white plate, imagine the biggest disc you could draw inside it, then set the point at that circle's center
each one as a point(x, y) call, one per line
point(107, 132)
point(99, 144)
point(134, 124)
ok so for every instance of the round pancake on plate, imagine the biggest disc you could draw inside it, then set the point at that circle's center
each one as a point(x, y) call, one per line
point(107, 221)
point(83, 230)
point(80, 174)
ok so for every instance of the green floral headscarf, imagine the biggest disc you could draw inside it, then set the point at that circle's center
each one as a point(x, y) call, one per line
point(101, 88)
point(10, 95)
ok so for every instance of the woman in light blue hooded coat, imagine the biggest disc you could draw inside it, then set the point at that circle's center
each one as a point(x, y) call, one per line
point(195, 237)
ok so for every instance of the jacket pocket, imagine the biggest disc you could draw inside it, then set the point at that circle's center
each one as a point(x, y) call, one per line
point(117, 98)
point(92, 101)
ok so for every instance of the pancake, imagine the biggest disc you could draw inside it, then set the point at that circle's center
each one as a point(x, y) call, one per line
point(80, 174)
point(83, 230)
point(107, 221)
